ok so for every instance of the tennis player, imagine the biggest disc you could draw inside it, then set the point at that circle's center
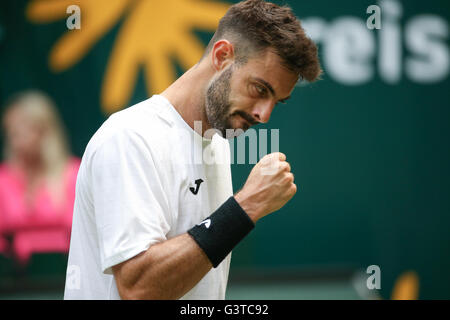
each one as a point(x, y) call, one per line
point(150, 222)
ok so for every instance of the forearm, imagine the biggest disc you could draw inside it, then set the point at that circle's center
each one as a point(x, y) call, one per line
point(166, 270)
point(170, 269)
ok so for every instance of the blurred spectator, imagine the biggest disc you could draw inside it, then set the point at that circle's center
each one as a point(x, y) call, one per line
point(37, 179)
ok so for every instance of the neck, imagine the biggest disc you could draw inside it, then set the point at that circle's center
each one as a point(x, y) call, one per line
point(187, 95)
point(30, 165)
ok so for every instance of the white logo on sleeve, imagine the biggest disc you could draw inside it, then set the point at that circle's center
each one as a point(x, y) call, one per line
point(207, 223)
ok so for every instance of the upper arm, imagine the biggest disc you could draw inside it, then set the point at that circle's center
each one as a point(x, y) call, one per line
point(128, 197)
point(126, 274)
point(120, 278)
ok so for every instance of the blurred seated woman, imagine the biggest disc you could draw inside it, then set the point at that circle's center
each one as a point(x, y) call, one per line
point(37, 178)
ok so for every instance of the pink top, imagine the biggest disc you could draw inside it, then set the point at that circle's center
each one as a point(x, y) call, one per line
point(41, 227)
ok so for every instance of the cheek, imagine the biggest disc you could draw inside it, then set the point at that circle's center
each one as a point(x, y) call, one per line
point(25, 139)
point(35, 138)
point(244, 104)
point(241, 99)
point(239, 91)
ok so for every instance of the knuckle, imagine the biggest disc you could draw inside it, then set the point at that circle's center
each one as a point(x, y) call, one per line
point(270, 159)
point(291, 176)
point(293, 188)
point(288, 177)
point(281, 156)
point(284, 166)
point(288, 166)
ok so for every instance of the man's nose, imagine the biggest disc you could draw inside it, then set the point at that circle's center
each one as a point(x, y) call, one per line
point(262, 111)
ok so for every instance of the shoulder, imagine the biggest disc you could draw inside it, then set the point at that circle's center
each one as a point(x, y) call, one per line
point(73, 162)
point(6, 172)
point(73, 165)
point(3, 169)
point(145, 124)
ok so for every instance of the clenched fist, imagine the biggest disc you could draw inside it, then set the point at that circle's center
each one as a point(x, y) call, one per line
point(268, 188)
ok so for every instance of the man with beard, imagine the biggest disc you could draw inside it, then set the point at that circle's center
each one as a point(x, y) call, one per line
point(151, 223)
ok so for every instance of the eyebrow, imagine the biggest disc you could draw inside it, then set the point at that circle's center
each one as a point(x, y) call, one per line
point(271, 89)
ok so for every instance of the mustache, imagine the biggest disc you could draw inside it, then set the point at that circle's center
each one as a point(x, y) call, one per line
point(246, 116)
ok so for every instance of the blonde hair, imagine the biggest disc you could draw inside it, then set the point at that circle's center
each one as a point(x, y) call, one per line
point(40, 110)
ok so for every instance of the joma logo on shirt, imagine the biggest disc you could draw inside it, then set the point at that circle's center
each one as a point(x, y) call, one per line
point(197, 187)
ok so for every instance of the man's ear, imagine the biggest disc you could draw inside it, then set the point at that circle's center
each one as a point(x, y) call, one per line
point(222, 54)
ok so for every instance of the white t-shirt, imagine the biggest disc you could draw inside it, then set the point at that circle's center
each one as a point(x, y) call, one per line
point(138, 185)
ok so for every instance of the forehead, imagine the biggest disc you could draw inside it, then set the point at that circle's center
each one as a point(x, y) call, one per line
point(268, 66)
point(16, 117)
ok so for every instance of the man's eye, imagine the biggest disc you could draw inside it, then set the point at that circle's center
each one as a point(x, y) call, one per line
point(261, 90)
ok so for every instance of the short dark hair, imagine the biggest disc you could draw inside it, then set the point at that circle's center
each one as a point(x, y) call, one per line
point(255, 25)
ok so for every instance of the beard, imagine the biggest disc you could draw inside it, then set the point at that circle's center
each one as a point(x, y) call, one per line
point(218, 106)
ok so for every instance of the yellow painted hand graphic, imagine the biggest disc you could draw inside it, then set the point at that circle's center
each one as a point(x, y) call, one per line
point(153, 32)
point(98, 17)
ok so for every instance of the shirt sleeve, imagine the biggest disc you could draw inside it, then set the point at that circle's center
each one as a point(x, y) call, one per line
point(130, 207)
